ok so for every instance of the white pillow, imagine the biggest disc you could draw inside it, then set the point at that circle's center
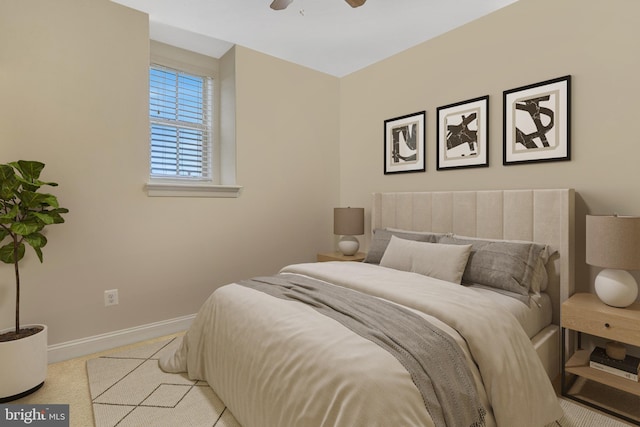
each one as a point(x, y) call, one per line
point(445, 262)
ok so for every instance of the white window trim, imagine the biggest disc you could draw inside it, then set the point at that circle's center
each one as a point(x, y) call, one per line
point(169, 188)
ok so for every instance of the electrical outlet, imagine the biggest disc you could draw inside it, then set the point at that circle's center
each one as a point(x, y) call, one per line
point(110, 297)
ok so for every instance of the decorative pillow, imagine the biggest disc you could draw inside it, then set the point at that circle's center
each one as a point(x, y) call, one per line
point(513, 266)
point(445, 262)
point(381, 237)
point(540, 277)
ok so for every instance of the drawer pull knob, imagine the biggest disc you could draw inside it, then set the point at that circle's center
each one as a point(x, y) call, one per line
point(606, 325)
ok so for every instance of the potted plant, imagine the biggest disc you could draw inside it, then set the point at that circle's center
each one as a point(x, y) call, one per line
point(24, 213)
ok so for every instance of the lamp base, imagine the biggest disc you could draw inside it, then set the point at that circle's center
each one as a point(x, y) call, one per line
point(348, 245)
point(616, 288)
point(615, 350)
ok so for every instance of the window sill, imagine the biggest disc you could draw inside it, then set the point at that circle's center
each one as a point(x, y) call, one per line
point(172, 189)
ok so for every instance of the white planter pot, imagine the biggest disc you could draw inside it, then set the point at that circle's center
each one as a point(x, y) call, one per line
point(23, 364)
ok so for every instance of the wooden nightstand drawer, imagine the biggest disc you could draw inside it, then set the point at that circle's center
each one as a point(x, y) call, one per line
point(586, 313)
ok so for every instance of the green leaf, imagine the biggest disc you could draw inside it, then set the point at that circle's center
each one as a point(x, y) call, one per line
point(7, 253)
point(39, 253)
point(31, 199)
point(3, 234)
point(35, 184)
point(25, 228)
point(26, 184)
point(45, 217)
point(50, 200)
point(57, 218)
point(29, 169)
point(8, 182)
point(36, 241)
point(6, 172)
point(9, 216)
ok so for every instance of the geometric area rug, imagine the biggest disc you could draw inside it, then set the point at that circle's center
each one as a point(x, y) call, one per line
point(576, 415)
point(129, 389)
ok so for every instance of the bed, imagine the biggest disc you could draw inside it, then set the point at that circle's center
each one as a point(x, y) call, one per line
point(399, 340)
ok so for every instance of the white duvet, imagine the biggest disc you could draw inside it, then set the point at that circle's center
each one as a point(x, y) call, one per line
point(279, 363)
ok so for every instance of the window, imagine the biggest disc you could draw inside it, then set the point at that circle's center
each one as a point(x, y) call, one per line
point(180, 114)
point(189, 155)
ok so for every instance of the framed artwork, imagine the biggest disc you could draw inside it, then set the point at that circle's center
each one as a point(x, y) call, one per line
point(462, 134)
point(404, 143)
point(537, 122)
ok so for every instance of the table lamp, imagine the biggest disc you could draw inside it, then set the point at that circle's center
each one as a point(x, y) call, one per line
point(348, 222)
point(613, 242)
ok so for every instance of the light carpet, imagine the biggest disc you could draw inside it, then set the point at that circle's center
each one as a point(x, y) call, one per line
point(129, 389)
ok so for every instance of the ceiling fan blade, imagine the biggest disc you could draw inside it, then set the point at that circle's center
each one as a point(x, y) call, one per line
point(355, 3)
point(280, 4)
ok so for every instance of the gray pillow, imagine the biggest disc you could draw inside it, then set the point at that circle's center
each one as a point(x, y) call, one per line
point(381, 237)
point(507, 265)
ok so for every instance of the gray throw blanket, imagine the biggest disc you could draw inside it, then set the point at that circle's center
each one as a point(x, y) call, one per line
point(436, 363)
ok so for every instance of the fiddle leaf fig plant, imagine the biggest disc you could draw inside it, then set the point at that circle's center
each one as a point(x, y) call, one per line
point(24, 213)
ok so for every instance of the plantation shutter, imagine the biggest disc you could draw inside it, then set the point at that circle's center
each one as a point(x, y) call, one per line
point(180, 113)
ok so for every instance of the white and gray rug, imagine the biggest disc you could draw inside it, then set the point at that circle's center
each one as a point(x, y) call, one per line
point(128, 389)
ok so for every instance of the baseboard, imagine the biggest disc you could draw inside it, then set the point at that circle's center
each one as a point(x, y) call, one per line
point(82, 347)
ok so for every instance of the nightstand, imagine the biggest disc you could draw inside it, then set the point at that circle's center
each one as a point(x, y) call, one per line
point(585, 313)
point(338, 256)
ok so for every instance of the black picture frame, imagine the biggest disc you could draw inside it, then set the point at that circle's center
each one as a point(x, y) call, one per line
point(537, 122)
point(462, 134)
point(404, 143)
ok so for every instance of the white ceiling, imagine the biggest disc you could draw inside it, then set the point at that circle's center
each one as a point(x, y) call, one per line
point(325, 35)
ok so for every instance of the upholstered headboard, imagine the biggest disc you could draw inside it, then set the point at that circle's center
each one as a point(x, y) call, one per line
point(544, 216)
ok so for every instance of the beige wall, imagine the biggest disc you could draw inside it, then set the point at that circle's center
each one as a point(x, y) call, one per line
point(526, 42)
point(74, 95)
point(73, 91)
